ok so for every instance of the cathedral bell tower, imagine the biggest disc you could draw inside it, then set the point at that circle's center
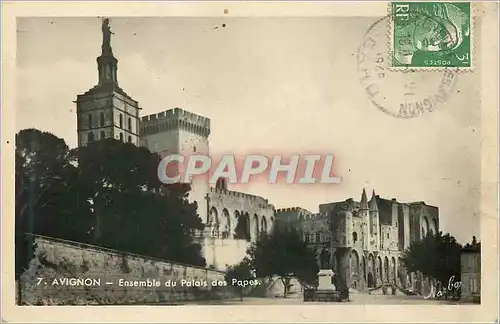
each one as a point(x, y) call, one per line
point(106, 111)
point(107, 64)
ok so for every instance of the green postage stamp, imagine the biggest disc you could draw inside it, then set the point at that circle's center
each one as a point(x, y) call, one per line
point(431, 35)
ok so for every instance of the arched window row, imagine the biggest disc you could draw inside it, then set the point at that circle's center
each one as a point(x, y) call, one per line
point(240, 226)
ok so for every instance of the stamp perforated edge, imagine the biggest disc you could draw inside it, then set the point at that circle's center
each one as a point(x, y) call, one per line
point(403, 69)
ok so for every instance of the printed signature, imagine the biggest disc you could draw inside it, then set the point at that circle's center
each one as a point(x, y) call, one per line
point(444, 291)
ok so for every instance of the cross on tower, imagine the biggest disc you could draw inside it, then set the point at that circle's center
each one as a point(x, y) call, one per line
point(207, 198)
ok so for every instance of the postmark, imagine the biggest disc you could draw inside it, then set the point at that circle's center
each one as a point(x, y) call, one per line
point(400, 93)
point(431, 35)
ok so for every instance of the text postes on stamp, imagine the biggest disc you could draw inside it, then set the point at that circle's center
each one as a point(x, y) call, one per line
point(431, 35)
point(403, 94)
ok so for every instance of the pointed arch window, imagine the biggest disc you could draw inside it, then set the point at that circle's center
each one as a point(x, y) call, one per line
point(103, 134)
point(121, 121)
point(101, 119)
point(90, 121)
point(121, 137)
point(90, 137)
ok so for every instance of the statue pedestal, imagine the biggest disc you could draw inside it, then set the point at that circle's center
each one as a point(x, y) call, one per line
point(325, 277)
point(326, 289)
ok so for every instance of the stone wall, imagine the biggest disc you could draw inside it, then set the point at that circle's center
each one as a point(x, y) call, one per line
point(423, 219)
point(221, 253)
point(52, 277)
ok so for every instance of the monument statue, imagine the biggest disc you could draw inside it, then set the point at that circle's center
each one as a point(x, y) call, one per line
point(324, 258)
point(106, 36)
point(326, 289)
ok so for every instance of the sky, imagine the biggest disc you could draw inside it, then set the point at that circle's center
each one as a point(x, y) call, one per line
point(276, 85)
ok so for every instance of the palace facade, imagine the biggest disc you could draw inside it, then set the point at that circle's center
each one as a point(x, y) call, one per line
point(365, 239)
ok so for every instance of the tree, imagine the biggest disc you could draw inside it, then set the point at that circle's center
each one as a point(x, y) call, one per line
point(132, 209)
point(24, 244)
point(106, 193)
point(109, 168)
point(283, 253)
point(436, 256)
point(40, 162)
point(40, 159)
point(65, 211)
point(47, 180)
point(239, 272)
point(242, 230)
point(474, 245)
point(155, 225)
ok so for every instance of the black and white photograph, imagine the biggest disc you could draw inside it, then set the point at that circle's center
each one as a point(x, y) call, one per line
point(233, 159)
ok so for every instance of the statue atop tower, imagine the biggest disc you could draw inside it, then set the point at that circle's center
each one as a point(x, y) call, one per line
point(106, 38)
point(106, 111)
point(107, 64)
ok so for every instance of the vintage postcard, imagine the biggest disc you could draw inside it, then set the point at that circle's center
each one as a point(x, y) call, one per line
point(277, 162)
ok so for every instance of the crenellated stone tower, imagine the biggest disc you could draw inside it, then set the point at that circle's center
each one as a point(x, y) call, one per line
point(106, 111)
point(177, 131)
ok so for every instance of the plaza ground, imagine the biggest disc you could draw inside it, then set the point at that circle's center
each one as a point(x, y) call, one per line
point(355, 299)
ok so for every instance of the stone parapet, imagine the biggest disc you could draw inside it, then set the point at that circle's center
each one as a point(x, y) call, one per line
point(87, 274)
point(175, 119)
